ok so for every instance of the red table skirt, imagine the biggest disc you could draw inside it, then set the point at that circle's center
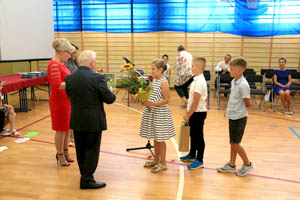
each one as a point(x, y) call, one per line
point(15, 82)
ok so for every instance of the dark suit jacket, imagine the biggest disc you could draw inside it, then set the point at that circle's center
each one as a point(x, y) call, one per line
point(87, 91)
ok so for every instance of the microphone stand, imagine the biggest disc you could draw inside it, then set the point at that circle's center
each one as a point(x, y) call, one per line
point(148, 145)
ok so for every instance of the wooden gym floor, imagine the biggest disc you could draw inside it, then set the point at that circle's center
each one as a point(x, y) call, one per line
point(28, 171)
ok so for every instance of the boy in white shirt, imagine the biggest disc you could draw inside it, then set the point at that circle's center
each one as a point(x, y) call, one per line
point(196, 114)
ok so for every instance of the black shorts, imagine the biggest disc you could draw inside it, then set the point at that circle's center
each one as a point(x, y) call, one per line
point(236, 130)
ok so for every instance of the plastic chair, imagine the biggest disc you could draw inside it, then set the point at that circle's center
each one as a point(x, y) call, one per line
point(223, 80)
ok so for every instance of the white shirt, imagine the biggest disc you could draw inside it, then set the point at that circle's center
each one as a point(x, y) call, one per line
point(222, 65)
point(167, 71)
point(183, 66)
point(240, 90)
point(198, 85)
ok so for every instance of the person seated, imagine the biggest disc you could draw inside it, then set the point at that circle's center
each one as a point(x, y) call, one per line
point(282, 85)
point(9, 114)
point(167, 72)
point(223, 67)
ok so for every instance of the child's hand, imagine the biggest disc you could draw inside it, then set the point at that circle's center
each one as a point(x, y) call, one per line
point(186, 117)
point(148, 103)
point(8, 107)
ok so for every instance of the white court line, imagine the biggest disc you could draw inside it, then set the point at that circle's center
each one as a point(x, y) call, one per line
point(181, 169)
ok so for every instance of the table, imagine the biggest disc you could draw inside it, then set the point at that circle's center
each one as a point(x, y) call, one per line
point(15, 82)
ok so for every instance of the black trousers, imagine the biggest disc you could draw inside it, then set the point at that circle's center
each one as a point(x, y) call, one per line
point(87, 146)
point(196, 123)
point(183, 89)
point(2, 119)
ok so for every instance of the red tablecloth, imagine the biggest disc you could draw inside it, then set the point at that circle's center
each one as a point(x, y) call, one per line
point(15, 82)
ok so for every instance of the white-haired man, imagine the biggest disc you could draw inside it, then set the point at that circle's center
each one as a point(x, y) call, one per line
point(88, 91)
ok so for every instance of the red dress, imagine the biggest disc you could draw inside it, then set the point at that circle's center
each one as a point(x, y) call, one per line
point(60, 106)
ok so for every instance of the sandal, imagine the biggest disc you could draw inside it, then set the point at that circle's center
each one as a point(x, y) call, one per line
point(150, 163)
point(158, 168)
point(15, 133)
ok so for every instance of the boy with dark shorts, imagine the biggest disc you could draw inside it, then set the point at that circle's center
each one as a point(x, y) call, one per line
point(237, 114)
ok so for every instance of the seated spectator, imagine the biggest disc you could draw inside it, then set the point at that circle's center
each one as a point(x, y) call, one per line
point(223, 66)
point(9, 118)
point(282, 82)
point(167, 72)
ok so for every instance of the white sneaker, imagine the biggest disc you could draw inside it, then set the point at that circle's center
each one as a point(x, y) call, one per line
point(227, 168)
point(5, 133)
point(245, 170)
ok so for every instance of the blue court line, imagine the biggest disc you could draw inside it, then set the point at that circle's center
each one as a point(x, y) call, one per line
point(292, 129)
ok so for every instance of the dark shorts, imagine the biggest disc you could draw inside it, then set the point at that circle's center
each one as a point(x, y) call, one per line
point(236, 130)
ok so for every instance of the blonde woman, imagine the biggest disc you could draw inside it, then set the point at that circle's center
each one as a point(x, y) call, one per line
point(60, 107)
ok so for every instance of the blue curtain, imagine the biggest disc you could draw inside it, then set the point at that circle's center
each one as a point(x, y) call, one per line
point(239, 17)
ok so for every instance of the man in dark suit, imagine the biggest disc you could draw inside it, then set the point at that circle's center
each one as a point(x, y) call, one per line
point(88, 91)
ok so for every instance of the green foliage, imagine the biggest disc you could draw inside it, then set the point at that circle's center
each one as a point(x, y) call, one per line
point(133, 82)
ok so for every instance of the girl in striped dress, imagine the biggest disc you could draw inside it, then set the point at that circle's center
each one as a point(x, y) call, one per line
point(157, 122)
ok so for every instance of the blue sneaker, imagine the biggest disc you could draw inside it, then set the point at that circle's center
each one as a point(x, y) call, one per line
point(195, 165)
point(187, 158)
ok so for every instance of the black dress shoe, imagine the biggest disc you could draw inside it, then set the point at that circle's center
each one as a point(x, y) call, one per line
point(92, 185)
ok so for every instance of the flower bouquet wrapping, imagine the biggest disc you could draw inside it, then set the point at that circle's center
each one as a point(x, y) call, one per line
point(137, 84)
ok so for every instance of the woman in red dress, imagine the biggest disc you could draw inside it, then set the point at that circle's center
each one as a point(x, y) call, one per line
point(60, 107)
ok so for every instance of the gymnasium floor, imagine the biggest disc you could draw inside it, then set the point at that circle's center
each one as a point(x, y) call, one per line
point(29, 171)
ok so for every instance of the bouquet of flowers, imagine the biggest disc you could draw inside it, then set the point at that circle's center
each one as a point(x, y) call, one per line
point(137, 84)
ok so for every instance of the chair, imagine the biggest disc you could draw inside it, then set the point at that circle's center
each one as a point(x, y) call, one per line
point(268, 84)
point(295, 84)
point(253, 79)
point(250, 72)
point(223, 80)
point(207, 78)
point(293, 71)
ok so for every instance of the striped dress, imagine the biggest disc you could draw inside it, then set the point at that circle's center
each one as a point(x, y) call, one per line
point(157, 123)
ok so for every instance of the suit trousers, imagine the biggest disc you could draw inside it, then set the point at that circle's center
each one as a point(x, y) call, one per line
point(196, 123)
point(87, 146)
point(182, 90)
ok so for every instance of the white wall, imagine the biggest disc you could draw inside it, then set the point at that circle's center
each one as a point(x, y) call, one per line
point(26, 29)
